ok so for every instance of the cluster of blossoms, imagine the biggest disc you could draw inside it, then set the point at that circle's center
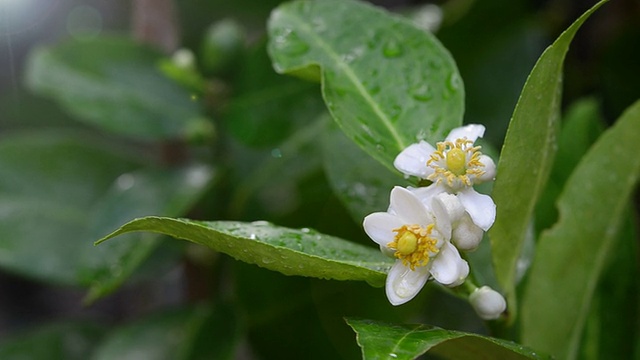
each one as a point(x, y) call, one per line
point(425, 228)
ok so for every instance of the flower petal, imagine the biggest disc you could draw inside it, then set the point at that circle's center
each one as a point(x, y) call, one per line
point(489, 169)
point(441, 215)
point(413, 160)
point(408, 207)
point(448, 268)
point(425, 194)
point(403, 284)
point(379, 226)
point(480, 207)
point(471, 132)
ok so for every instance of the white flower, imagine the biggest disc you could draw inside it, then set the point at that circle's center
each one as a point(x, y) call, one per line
point(419, 237)
point(453, 166)
point(487, 303)
point(464, 234)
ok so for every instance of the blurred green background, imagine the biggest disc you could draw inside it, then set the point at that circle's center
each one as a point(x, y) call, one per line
point(245, 148)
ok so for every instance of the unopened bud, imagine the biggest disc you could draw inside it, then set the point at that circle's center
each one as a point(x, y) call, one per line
point(487, 303)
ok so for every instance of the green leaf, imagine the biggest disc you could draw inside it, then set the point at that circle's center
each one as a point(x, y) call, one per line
point(61, 190)
point(48, 180)
point(581, 127)
point(69, 341)
point(135, 194)
point(386, 83)
point(617, 289)
point(361, 183)
point(173, 335)
point(526, 158)
point(571, 256)
point(292, 252)
point(113, 83)
point(388, 341)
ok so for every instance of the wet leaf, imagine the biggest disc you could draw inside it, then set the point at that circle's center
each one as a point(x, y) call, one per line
point(388, 341)
point(302, 252)
point(385, 82)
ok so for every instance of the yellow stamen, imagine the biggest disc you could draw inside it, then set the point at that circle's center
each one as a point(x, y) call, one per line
point(414, 245)
point(454, 162)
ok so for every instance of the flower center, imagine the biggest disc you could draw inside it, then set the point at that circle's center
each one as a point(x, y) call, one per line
point(414, 245)
point(456, 163)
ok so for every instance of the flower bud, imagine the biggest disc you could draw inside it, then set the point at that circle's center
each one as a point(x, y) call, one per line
point(466, 235)
point(487, 303)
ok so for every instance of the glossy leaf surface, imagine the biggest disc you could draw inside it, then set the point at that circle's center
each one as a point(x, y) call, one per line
point(387, 341)
point(385, 82)
point(292, 252)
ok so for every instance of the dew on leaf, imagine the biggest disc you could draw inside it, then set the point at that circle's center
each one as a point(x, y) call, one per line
point(422, 93)
point(392, 49)
point(454, 82)
point(289, 43)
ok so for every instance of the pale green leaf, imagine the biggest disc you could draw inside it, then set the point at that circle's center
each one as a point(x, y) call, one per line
point(303, 252)
point(380, 340)
point(571, 256)
point(527, 157)
point(386, 83)
point(114, 84)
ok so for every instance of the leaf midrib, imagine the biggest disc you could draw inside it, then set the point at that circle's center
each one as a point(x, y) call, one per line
point(352, 77)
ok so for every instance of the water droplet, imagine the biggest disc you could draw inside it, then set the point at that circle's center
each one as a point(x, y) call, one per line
point(392, 49)
point(395, 111)
point(276, 153)
point(393, 355)
point(253, 236)
point(380, 147)
point(454, 82)
point(305, 230)
point(289, 43)
point(267, 260)
point(260, 223)
point(422, 93)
